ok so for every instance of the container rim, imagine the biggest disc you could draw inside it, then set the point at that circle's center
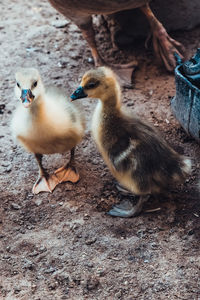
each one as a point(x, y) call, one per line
point(179, 74)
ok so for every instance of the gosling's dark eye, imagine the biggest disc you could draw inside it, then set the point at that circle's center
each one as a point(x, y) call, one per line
point(34, 84)
point(92, 85)
point(18, 84)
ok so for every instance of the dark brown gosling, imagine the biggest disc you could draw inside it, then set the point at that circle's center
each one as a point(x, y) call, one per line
point(136, 154)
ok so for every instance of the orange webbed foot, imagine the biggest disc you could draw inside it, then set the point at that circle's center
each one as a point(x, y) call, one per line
point(45, 184)
point(64, 174)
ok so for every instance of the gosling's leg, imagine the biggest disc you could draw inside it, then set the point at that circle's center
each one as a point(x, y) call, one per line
point(68, 172)
point(126, 209)
point(45, 182)
point(164, 45)
point(124, 71)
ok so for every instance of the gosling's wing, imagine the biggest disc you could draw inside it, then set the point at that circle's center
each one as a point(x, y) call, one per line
point(128, 134)
point(139, 146)
point(120, 153)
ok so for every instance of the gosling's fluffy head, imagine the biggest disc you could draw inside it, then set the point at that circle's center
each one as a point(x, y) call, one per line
point(99, 83)
point(28, 85)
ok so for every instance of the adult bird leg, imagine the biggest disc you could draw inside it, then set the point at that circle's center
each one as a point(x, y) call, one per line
point(89, 35)
point(45, 182)
point(68, 172)
point(164, 45)
point(124, 71)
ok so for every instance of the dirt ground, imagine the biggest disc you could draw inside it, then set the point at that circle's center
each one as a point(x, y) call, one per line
point(63, 245)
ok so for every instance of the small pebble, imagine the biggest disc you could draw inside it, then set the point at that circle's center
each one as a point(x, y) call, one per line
point(5, 163)
point(191, 232)
point(17, 290)
point(8, 169)
point(118, 294)
point(86, 217)
point(50, 270)
point(151, 92)
point(92, 283)
point(90, 241)
point(60, 252)
point(60, 23)
point(42, 249)
point(154, 245)
point(30, 227)
point(62, 64)
point(2, 107)
point(90, 60)
point(22, 230)
point(15, 206)
point(53, 285)
point(28, 264)
point(90, 265)
point(34, 253)
point(101, 272)
point(6, 256)
point(31, 49)
point(38, 202)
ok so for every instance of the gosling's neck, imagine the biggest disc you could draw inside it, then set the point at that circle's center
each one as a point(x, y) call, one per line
point(111, 101)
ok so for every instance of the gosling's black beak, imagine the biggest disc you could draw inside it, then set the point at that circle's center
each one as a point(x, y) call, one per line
point(79, 93)
point(27, 97)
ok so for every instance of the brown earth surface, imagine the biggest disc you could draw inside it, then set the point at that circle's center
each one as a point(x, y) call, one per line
point(63, 245)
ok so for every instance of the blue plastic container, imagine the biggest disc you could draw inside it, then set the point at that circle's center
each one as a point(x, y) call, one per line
point(186, 104)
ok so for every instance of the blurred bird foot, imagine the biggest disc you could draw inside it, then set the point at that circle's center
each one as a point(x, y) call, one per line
point(124, 72)
point(45, 183)
point(67, 173)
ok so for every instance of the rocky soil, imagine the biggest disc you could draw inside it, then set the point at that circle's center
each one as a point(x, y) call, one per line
point(63, 245)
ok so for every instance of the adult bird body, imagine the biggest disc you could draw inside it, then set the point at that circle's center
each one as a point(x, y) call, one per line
point(81, 11)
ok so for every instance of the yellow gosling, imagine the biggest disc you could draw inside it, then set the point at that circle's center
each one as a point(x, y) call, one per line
point(46, 122)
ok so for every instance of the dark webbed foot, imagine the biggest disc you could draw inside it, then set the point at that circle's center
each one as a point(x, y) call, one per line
point(126, 209)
